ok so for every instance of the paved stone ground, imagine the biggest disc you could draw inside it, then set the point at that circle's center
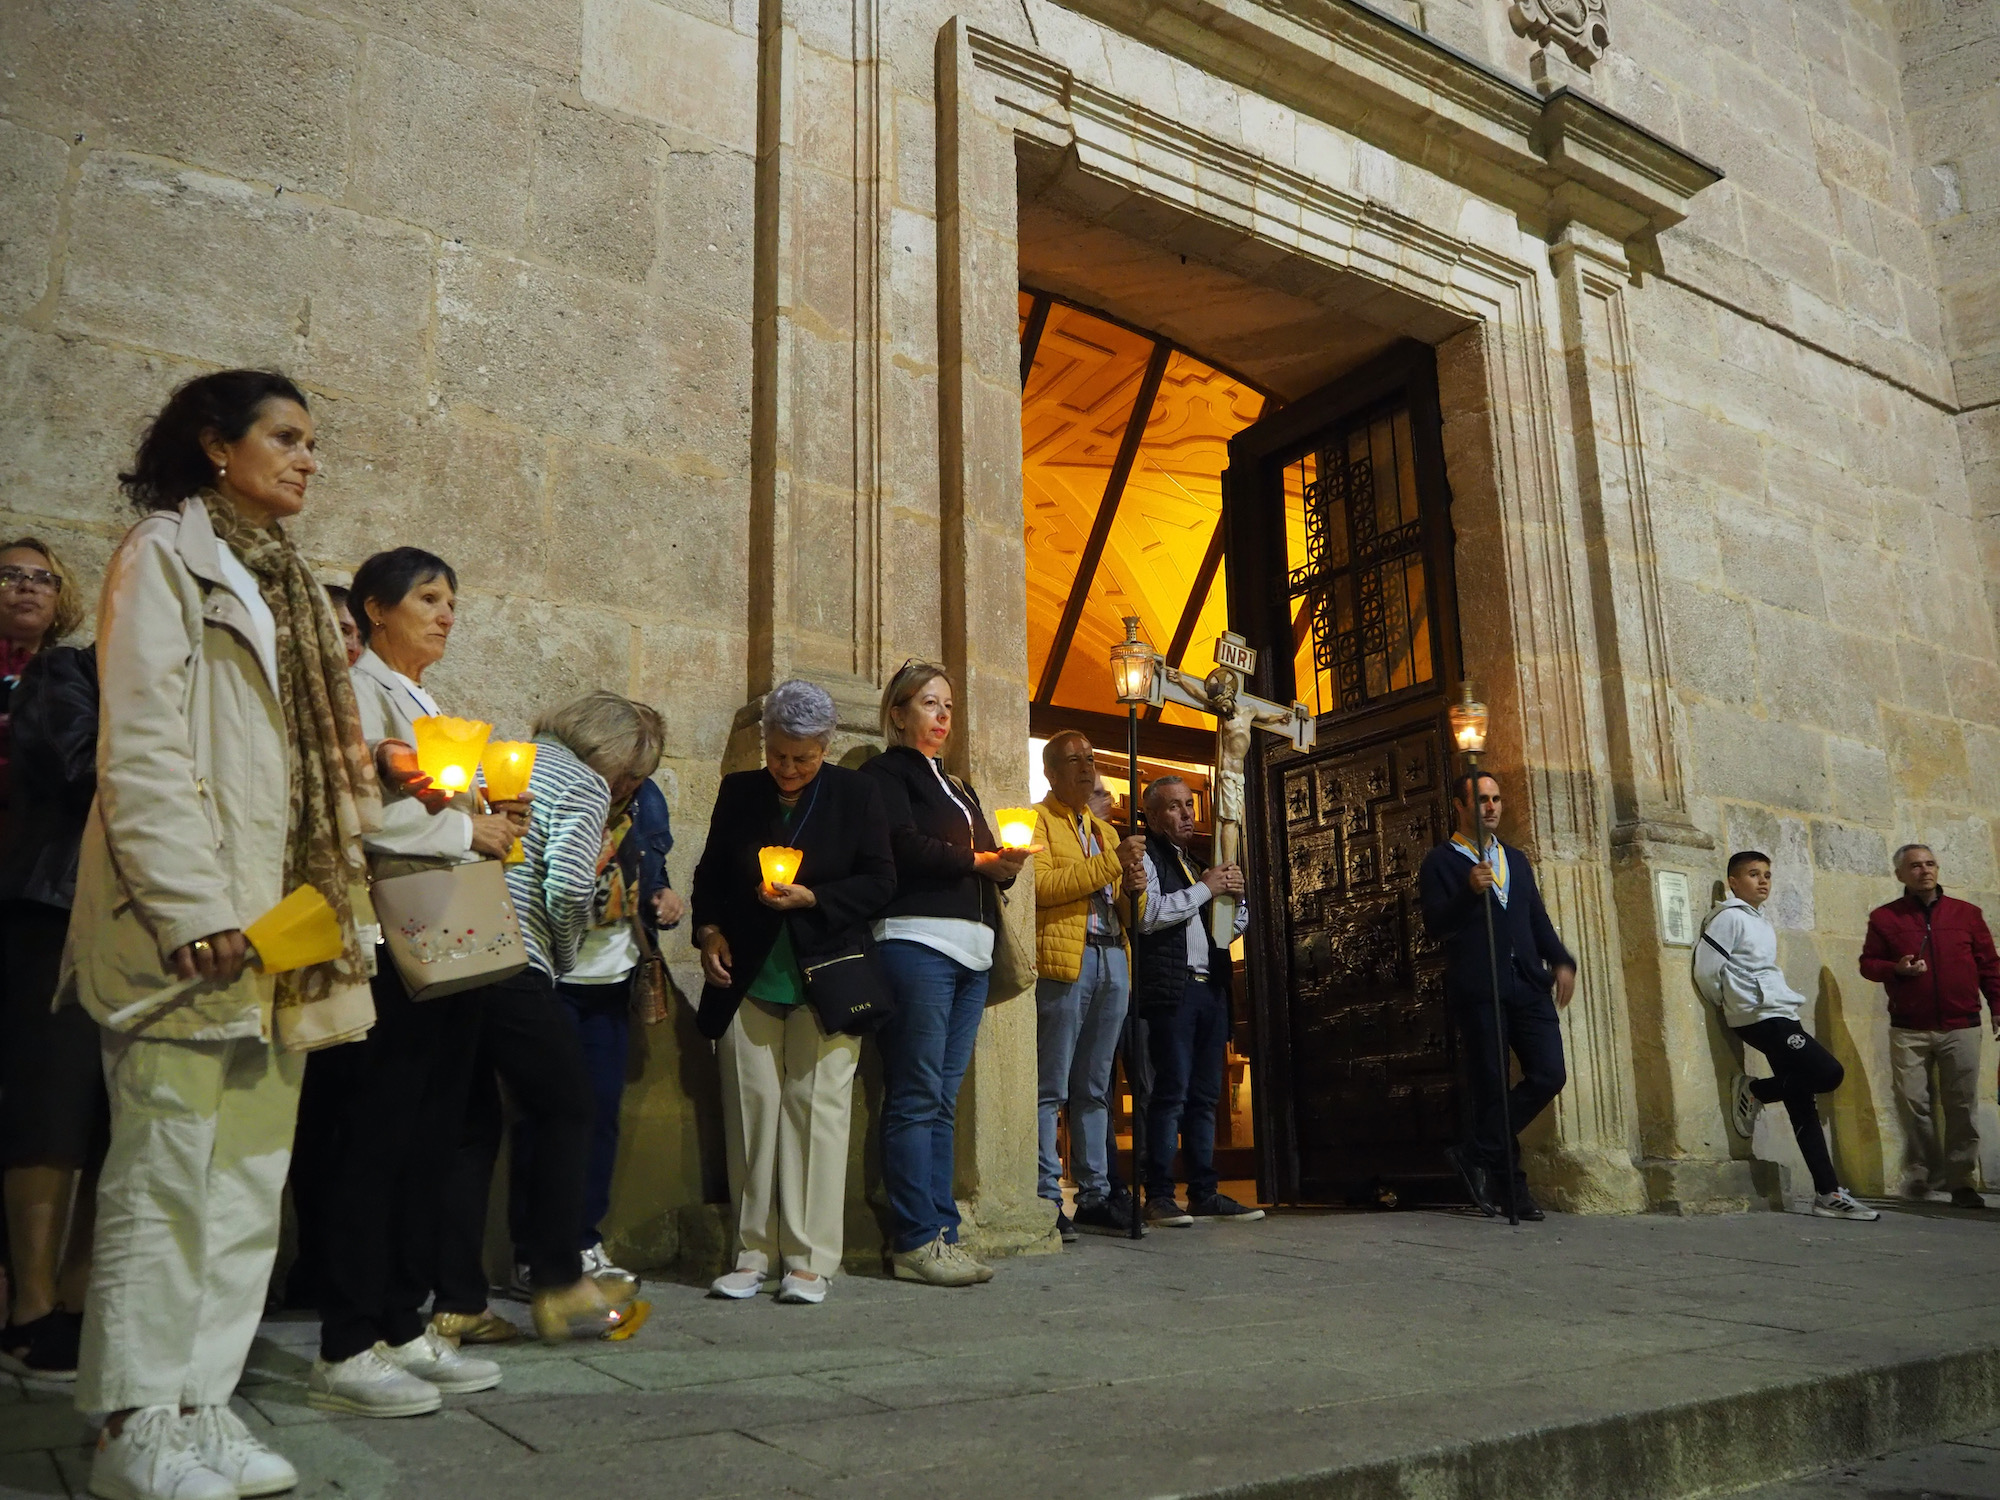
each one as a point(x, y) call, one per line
point(1198, 1358)
point(1967, 1468)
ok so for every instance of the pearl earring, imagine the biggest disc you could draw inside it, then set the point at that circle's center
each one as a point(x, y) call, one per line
point(222, 471)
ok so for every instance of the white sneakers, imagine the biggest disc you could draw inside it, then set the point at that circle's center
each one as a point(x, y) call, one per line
point(615, 1279)
point(226, 1447)
point(370, 1384)
point(162, 1455)
point(1744, 1107)
point(737, 1284)
point(436, 1360)
point(796, 1288)
point(939, 1263)
point(1841, 1204)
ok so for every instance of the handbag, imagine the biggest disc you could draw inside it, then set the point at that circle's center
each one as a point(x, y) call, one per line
point(450, 927)
point(1013, 971)
point(650, 989)
point(847, 994)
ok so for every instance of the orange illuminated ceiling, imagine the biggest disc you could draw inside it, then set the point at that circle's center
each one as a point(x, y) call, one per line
point(1145, 499)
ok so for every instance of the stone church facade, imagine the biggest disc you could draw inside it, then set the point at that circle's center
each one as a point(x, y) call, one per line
point(689, 331)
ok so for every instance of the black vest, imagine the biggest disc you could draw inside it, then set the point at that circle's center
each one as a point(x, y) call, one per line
point(1160, 959)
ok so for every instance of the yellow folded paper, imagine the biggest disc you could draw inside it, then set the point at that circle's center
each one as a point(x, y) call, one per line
point(300, 930)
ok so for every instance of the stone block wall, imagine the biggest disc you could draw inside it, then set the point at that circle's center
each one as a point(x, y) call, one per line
point(507, 248)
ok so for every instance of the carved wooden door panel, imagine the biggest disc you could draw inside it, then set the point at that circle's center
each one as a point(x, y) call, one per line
point(1372, 1054)
point(1341, 551)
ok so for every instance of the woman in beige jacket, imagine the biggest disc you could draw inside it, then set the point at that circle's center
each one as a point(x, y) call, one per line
point(231, 769)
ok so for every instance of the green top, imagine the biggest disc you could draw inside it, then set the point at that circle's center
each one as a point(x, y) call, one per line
point(781, 981)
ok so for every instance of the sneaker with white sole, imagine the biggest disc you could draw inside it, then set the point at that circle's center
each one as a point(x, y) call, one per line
point(1744, 1107)
point(154, 1458)
point(796, 1288)
point(1841, 1204)
point(737, 1284)
point(436, 1360)
point(226, 1446)
point(935, 1263)
point(613, 1278)
point(980, 1270)
point(370, 1385)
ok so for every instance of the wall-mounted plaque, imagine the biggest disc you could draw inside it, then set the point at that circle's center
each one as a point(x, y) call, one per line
point(1677, 922)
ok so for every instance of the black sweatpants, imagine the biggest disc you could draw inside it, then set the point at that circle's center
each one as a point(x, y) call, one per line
point(1800, 1069)
point(530, 1044)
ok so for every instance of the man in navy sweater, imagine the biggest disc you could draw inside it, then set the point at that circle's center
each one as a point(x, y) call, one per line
point(1536, 975)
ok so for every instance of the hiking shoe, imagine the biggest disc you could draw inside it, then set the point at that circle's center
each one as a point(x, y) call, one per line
point(1065, 1227)
point(154, 1458)
point(1841, 1204)
point(1101, 1216)
point(436, 1360)
point(1967, 1197)
point(1222, 1207)
point(370, 1384)
point(936, 1264)
point(1168, 1212)
point(1744, 1106)
point(1478, 1184)
point(797, 1288)
point(43, 1348)
point(225, 1445)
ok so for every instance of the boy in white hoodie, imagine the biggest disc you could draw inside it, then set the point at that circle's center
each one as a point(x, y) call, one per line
point(1736, 968)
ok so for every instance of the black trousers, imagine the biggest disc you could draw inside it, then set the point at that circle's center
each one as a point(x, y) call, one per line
point(531, 1046)
point(373, 1118)
point(1800, 1069)
point(54, 1111)
point(1534, 1036)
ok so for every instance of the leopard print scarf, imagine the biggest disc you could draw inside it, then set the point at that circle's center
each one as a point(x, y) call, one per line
point(334, 794)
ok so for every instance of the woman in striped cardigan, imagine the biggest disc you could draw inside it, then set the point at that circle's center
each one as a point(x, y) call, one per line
point(589, 755)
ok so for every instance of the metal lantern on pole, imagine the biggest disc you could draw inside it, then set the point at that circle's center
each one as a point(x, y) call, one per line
point(1469, 723)
point(1133, 664)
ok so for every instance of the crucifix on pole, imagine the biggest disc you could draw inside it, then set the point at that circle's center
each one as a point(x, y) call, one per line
point(1237, 714)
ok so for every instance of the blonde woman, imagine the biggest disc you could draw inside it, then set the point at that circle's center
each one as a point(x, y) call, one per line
point(935, 940)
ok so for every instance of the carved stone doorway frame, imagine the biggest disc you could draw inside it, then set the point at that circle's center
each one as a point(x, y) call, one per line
point(1544, 460)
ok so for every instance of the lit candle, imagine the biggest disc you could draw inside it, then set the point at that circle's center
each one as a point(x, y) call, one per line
point(507, 764)
point(779, 864)
point(448, 749)
point(1017, 826)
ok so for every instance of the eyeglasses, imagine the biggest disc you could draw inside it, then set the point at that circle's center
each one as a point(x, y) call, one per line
point(21, 578)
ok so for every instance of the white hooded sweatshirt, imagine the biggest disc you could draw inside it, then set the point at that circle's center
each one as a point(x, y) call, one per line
point(1736, 966)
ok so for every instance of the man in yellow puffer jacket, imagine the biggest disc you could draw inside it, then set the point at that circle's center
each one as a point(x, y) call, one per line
point(1082, 916)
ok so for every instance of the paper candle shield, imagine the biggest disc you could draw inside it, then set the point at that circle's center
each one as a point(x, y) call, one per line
point(448, 749)
point(507, 764)
point(779, 864)
point(1017, 826)
point(298, 931)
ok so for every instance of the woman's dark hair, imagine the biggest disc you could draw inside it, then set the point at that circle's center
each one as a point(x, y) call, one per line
point(387, 576)
point(170, 465)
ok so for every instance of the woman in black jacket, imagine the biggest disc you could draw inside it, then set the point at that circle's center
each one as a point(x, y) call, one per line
point(787, 1082)
point(936, 943)
point(55, 1119)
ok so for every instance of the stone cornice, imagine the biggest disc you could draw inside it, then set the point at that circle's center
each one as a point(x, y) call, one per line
point(1554, 161)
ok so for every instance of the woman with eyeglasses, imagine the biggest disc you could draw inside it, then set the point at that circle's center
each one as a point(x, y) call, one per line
point(53, 1113)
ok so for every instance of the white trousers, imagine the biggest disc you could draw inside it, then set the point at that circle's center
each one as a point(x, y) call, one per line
point(787, 1098)
point(187, 1218)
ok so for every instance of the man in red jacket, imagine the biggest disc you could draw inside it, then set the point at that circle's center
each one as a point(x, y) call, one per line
point(1933, 954)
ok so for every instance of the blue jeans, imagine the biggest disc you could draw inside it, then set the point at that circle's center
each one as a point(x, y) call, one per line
point(1187, 1050)
point(926, 1047)
point(602, 1016)
point(1076, 1038)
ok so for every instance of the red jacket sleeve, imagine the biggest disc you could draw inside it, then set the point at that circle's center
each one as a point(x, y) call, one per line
point(1988, 962)
point(1878, 952)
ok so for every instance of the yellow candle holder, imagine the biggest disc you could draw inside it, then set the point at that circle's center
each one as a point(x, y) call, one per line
point(1017, 826)
point(299, 931)
point(779, 863)
point(448, 750)
point(507, 764)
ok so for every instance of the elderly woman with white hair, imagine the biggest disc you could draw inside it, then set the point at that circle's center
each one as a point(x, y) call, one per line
point(773, 953)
